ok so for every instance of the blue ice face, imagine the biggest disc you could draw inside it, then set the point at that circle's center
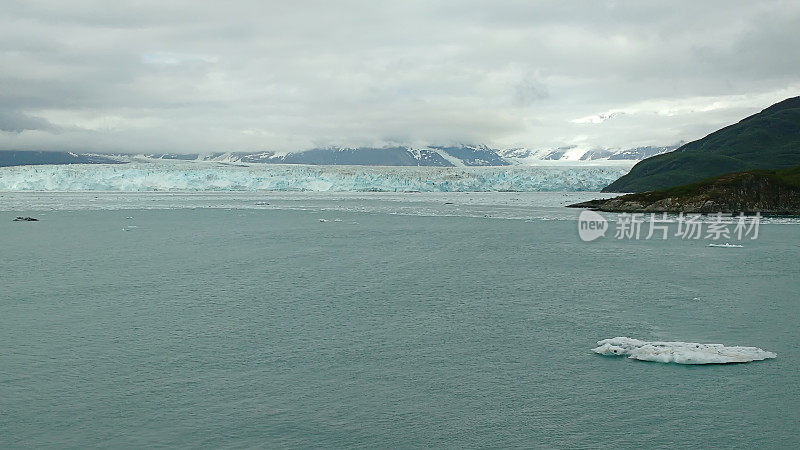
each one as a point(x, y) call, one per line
point(213, 176)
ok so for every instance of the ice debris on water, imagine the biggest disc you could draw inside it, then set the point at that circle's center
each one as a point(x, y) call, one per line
point(679, 352)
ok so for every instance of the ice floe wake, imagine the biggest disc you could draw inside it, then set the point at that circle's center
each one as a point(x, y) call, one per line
point(680, 352)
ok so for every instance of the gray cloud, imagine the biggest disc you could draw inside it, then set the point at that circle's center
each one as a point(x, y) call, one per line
point(17, 122)
point(250, 75)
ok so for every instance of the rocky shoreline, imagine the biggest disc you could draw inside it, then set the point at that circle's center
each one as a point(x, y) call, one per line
point(764, 191)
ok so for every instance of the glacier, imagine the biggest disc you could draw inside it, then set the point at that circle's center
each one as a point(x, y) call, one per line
point(216, 176)
point(679, 352)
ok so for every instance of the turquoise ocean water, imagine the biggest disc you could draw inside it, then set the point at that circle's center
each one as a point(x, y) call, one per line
point(242, 320)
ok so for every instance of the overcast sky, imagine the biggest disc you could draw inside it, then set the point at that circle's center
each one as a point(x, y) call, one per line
point(187, 76)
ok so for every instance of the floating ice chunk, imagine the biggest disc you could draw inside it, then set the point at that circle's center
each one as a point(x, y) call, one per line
point(680, 352)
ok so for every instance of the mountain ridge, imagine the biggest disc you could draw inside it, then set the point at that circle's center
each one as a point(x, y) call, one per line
point(433, 156)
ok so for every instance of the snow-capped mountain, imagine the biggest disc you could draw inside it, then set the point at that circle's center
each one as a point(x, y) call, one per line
point(434, 156)
point(576, 153)
point(439, 156)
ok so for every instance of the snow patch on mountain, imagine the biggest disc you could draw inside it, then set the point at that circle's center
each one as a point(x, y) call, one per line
point(579, 153)
point(449, 158)
point(431, 156)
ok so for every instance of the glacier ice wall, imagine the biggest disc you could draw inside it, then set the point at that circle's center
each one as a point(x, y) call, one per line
point(212, 176)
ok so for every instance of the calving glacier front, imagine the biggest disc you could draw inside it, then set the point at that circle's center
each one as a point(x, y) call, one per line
point(214, 176)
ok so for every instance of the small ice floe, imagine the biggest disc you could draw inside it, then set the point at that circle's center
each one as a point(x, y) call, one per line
point(725, 245)
point(679, 352)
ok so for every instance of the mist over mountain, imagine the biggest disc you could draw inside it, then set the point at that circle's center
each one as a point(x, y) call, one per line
point(25, 158)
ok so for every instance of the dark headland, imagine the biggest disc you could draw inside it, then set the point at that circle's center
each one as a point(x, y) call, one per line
point(773, 192)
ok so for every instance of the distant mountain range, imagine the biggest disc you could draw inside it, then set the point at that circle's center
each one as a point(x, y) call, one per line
point(575, 153)
point(769, 139)
point(25, 158)
point(436, 156)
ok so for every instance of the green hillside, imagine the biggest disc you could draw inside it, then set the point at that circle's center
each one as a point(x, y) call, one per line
point(767, 140)
point(758, 190)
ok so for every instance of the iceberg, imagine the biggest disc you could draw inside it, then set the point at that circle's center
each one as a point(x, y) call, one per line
point(170, 175)
point(679, 352)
